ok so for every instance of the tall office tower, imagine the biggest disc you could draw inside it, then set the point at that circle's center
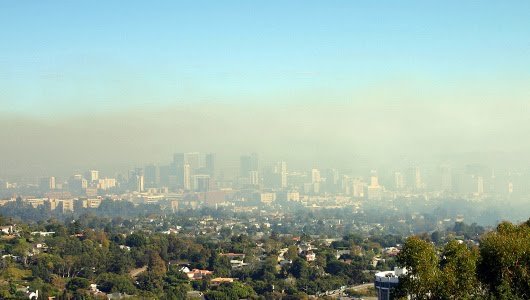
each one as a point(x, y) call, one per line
point(47, 184)
point(480, 185)
point(140, 183)
point(418, 183)
point(346, 185)
point(493, 182)
point(164, 175)
point(399, 181)
point(209, 164)
point(446, 179)
point(275, 176)
point(358, 188)
point(314, 186)
point(332, 182)
point(77, 183)
point(152, 176)
point(192, 159)
point(248, 163)
point(253, 177)
point(374, 180)
point(92, 175)
point(177, 172)
point(315, 176)
point(374, 189)
point(178, 159)
point(136, 180)
point(186, 177)
point(510, 188)
point(52, 183)
point(282, 171)
point(201, 183)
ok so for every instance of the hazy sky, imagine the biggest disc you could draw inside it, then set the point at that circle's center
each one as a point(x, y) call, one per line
point(114, 83)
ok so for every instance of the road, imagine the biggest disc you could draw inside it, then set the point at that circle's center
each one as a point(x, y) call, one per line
point(136, 272)
point(339, 293)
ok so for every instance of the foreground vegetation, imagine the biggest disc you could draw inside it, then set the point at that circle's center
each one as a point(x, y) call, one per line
point(91, 256)
point(498, 268)
point(124, 256)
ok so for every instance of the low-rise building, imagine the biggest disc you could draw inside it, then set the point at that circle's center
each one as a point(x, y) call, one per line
point(386, 281)
point(197, 274)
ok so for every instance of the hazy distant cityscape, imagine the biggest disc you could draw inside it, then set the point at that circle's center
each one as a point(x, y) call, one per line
point(193, 180)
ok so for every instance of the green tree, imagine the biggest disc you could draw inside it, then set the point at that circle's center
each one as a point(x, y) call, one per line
point(292, 252)
point(221, 265)
point(299, 268)
point(421, 261)
point(135, 240)
point(110, 283)
point(504, 265)
point(77, 283)
point(156, 264)
point(458, 266)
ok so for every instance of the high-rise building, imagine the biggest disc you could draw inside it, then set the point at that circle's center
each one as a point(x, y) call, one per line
point(164, 172)
point(209, 164)
point(106, 183)
point(248, 163)
point(275, 176)
point(374, 180)
point(253, 177)
point(333, 180)
point(193, 159)
point(77, 184)
point(399, 181)
point(374, 189)
point(92, 175)
point(358, 188)
point(186, 177)
point(248, 170)
point(182, 174)
point(315, 176)
point(178, 159)
point(418, 183)
point(201, 183)
point(152, 176)
point(446, 179)
point(136, 180)
point(47, 184)
point(480, 185)
point(282, 171)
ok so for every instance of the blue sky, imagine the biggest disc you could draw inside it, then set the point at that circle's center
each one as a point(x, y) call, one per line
point(73, 56)
point(302, 80)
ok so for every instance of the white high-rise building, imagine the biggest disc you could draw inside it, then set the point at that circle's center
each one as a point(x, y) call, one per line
point(187, 177)
point(315, 176)
point(140, 183)
point(480, 185)
point(374, 189)
point(253, 177)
